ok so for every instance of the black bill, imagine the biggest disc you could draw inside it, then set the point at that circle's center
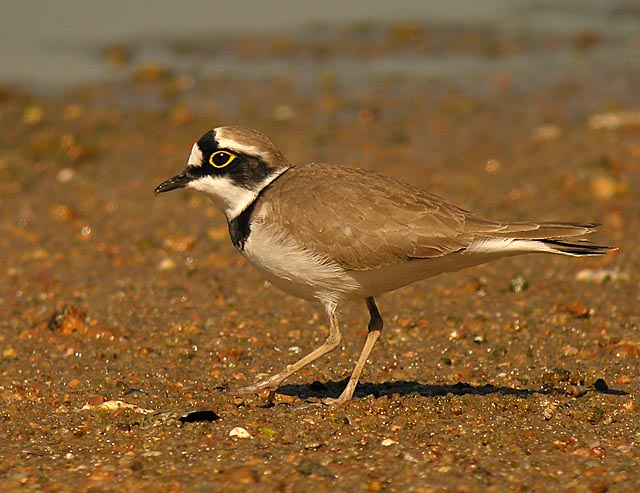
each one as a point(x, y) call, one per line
point(178, 181)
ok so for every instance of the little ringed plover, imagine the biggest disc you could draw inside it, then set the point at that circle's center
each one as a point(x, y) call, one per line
point(330, 234)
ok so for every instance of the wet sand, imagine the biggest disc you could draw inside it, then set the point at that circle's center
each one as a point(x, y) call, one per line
point(122, 313)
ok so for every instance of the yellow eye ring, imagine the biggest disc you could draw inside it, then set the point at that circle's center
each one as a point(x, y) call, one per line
point(220, 159)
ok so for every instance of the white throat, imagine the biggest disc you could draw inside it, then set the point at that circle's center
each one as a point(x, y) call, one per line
point(230, 197)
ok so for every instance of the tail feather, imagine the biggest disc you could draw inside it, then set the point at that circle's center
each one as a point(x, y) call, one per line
point(545, 237)
point(543, 230)
point(577, 248)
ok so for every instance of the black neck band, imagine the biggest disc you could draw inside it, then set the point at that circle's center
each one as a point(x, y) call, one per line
point(240, 226)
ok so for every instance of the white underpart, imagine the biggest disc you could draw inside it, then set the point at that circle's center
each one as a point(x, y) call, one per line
point(296, 270)
point(300, 272)
point(230, 197)
point(394, 276)
point(508, 246)
point(196, 157)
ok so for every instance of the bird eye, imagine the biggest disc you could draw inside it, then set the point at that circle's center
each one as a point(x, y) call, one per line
point(220, 159)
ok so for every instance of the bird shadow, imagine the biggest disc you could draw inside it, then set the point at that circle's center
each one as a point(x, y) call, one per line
point(332, 389)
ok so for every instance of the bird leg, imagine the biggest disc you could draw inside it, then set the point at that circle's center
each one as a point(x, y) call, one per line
point(274, 381)
point(375, 328)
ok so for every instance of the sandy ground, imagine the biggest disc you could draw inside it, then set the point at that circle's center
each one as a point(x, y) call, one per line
point(121, 313)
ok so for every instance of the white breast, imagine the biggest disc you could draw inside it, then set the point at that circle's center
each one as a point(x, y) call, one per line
point(297, 270)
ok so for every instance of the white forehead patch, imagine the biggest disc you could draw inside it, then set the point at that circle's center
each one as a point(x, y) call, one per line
point(195, 158)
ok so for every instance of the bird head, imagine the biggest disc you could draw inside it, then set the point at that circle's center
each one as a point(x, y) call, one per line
point(231, 165)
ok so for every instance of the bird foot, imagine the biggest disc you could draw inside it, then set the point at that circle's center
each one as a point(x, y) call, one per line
point(329, 402)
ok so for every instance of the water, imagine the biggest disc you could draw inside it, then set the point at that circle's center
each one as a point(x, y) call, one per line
point(50, 44)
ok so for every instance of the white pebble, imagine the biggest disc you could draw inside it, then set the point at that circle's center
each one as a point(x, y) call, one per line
point(166, 264)
point(65, 175)
point(239, 432)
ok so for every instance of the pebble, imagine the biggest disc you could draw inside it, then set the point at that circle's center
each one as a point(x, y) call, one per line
point(598, 486)
point(549, 409)
point(65, 175)
point(387, 442)
point(614, 120)
point(308, 467)
point(242, 475)
point(606, 187)
point(166, 264)
point(180, 243)
point(96, 400)
point(547, 132)
point(33, 114)
point(576, 390)
point(600, 385)
point(601, 275)
point(9, 353)
point(265, 430)
point(518, 284)
point(239, 432)
point(115, 405)
point(375, 485)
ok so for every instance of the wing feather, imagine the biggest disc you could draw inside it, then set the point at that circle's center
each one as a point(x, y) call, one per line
point(389, 222)
point(363, 220)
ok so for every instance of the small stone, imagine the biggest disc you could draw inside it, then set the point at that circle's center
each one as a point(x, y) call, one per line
point(577, 309)
point(180, 243)
point(218, 234)
point(65, 175)
point(595, 415)
point(151, 72)
point(308, 467)
point(387, 442)
point(239, 432)
point(605, 187)
point(576, 390)
point(550, 409)
point(598, 452)
point(600, 385)
point(497, 352)
point(375, 485)
point(547, 132)
point(284, 112)
point(117, 55)
point(265, 430)
point(601, 275)
point(166, 264)
point(68, 320)
point(518, 284)
point(598, 486)
point(456, 335)
point(492, 165)
point(33, 114)
point(555, 377)
point(242, 475)
point(615, 120)
point(9, 353)
point(96, 400)
point(625, 350)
